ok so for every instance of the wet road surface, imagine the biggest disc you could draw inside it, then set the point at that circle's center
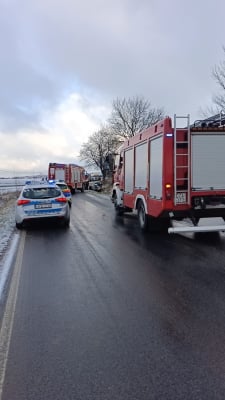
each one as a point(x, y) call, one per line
point(105, 313)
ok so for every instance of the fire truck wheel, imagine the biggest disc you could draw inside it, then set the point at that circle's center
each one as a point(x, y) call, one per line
point(119, 210)
point(142, 216)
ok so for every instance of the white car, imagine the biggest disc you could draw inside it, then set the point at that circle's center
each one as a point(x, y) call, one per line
point(95, 185)
point(65, 189)
point(41, 201)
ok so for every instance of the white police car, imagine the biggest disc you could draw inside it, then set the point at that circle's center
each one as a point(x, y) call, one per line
point(65, 189)
point(41, 201)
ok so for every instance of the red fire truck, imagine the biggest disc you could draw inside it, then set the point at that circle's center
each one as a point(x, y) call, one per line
point(74, 175)
point(171, 173)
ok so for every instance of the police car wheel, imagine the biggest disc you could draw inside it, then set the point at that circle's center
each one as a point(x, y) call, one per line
point(19, 225)
point(65, 223)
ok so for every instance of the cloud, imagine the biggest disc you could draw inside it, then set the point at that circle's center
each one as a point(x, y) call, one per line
point(62, 132)
point(117, 48)
point(53, 50)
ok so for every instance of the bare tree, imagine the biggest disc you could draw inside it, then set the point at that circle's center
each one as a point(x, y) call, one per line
point(219, 76)
point(133, 115)
point(99, 149)
point(209, 111)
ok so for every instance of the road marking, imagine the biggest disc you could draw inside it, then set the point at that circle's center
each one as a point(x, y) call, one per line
point(8, 318)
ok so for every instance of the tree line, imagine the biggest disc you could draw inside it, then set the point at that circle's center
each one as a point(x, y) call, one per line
point(128, 117)
point(133, 115)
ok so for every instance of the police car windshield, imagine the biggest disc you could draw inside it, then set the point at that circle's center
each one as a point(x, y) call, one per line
point(41, 193)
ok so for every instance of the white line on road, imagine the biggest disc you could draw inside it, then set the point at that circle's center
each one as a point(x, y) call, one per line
point(8, 318)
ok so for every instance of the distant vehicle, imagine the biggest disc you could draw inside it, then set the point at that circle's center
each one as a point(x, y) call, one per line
point(41, 201)
point(95, 181)
point(66, 191)
point(97, 186)
point(95, 176)
point(74, 175)
point(170, 173)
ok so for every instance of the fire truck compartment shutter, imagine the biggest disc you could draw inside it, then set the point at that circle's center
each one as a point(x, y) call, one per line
point(60, 174)
point(141, 161)
point(156, 163)
point(208, 161)
point(129, 167)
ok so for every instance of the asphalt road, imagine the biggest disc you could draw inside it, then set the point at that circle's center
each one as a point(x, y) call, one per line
point(101, 312)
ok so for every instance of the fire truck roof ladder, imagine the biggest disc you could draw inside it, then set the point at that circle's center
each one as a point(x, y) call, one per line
point(186, 168)
point(214, 121)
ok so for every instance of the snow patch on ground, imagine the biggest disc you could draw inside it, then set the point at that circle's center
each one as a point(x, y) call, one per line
point(8, 236)
point(7, 221)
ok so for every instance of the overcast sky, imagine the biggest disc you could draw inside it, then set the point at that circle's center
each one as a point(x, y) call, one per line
point(62, 63)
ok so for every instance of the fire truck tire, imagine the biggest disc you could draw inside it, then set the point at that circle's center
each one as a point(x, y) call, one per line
point(119, 210)
point(142, 217)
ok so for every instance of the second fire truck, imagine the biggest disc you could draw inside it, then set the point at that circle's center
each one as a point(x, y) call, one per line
point(74, 175)
point(170, 173)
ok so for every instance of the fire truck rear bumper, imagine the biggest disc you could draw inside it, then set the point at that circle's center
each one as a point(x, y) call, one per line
point(195, 229)
point(196, 213)
point(193, 216)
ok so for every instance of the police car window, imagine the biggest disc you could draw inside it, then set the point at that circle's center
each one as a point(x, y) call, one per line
point(28, 194)
point(62, 185)
point(41, 193)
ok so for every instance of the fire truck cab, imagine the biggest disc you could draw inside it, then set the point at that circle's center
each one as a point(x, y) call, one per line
point(171, 173)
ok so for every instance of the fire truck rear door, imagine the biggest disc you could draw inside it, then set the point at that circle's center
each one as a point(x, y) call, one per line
point(208, 160)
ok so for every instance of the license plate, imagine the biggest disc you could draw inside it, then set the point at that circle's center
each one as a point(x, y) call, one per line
point(181, 198)
point(47, 205)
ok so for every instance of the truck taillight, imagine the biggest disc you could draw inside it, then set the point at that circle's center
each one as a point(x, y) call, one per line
point(168, 191)
point(22, 202)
